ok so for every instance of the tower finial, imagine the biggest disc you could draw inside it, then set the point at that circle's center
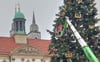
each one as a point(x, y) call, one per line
point(15, 9)
point(18, 7)
point(33, 18)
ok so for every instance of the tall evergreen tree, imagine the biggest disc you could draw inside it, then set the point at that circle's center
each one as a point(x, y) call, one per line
point(64, 46)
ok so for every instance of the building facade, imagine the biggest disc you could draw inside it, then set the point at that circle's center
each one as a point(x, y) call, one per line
point(22, 47)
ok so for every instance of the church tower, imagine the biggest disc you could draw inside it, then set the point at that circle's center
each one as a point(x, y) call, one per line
point(18, 25)
point(34, 30)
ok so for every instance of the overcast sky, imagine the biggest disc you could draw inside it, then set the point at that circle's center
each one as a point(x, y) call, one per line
point(44, 10)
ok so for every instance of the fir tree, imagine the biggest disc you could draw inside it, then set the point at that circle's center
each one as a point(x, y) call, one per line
point(64, 46)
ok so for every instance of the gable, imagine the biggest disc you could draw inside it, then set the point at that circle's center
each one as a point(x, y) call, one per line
point(8, 45)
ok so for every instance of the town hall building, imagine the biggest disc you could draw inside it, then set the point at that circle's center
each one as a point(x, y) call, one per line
point(22, 47)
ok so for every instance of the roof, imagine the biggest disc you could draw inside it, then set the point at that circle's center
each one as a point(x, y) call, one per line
point(19, 15)
point(7, 44)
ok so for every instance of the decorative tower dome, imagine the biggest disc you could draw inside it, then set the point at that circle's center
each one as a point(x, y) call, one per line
point(19, 15)
point(18, 25)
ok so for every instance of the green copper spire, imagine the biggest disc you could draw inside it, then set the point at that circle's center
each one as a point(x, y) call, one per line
point(18, 14)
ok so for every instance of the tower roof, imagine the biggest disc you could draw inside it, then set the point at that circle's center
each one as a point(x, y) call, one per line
point(34, 30)
point(18, 13)
point(33, 22)
point(34, 26)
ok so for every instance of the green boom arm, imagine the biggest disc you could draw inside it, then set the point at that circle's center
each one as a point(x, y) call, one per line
point(88, 52)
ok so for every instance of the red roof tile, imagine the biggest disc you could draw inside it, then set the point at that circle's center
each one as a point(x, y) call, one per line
point(7, 44)
point(41, 45)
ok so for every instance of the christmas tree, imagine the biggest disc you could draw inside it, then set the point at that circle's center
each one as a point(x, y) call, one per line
point(64, 46)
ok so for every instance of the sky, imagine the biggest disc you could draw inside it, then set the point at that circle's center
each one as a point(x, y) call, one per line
point(44, 10)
